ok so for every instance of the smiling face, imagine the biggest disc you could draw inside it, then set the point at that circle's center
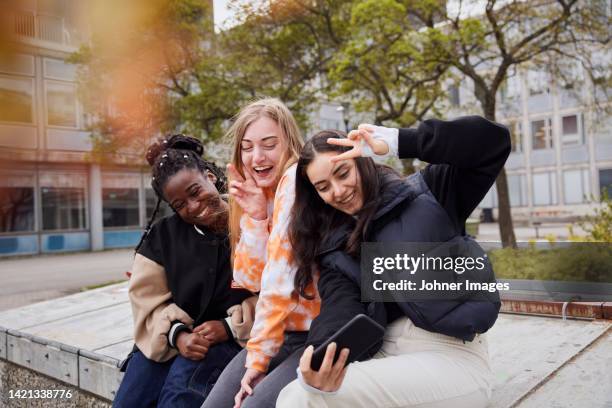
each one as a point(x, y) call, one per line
point(261, 151)
point(338, 184)
point(196, 200)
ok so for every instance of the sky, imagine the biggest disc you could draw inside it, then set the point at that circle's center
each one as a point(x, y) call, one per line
point(223, 15)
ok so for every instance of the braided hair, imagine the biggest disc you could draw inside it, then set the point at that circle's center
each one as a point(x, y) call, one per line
point(170, 155)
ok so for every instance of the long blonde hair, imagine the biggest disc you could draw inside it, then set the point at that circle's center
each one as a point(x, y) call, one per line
point(276, 110)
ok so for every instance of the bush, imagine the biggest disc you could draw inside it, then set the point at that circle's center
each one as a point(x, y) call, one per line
point(578, 262)
point(599, 225)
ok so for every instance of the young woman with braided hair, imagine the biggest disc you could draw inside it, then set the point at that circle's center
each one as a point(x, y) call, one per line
point(180, 286)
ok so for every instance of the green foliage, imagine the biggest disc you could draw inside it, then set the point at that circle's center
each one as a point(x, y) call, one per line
point(136, 67)
point(384, 66)
point(551, 238)
point(599, 224)
point(583, 259)
point(159, 66)
point(580, 262)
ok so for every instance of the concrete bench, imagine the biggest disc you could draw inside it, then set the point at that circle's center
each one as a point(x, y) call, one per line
point(77, 341)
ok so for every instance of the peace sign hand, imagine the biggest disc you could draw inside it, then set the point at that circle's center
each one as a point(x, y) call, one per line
point(363, 143)
point(247, 194)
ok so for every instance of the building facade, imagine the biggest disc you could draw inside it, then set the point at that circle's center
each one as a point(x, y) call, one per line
point(53, 197)
point(561, 157)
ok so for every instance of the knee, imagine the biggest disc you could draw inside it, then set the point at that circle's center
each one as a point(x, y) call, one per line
point(294, 395)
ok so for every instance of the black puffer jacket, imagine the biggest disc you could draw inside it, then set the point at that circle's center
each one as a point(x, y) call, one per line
point(431, 206)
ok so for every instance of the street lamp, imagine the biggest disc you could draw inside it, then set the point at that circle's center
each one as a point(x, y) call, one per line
point(344, 108)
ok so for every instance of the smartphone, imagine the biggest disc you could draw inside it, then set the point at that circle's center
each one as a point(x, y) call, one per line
point(358, 335)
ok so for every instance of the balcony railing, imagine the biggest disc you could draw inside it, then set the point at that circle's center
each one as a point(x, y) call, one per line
point(46, 28)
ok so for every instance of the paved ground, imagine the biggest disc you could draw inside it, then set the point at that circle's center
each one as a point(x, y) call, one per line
point(34, 279)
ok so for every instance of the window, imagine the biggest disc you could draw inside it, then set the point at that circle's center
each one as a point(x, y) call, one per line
point(571, 130)
point(18, 64)
point(61, 104)
point(16, 209)
point(544, 188)
point(510, 87)
point(453, 95)
point(541, 134)
point(516, 135)
point(331, 124)
point(16, 100)
point(576, 186)
point(58, 69)
point(605, 182)
point(537, 81)
point(120, 207)
point(517, 187)
point(151, 200)
point(63, 208)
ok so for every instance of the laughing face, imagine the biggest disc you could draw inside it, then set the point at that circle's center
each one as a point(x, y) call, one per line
point(196, 200)
point(338, 184)
point(261, 150)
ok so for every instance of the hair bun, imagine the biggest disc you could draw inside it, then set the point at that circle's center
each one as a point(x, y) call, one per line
point(155, 150)
point(183, 142)
point(179, 141)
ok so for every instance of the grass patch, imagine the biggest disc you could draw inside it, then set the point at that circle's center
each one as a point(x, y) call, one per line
point(101, 285)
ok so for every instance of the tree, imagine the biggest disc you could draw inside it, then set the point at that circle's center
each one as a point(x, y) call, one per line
point(483, 44)
point(161, 67)
point(384, 65)
point(136, 66)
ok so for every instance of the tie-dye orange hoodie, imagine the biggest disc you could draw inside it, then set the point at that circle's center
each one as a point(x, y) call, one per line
point(263, 261)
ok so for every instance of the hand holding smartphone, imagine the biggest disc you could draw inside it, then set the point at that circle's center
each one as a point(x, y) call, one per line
point(358, 335)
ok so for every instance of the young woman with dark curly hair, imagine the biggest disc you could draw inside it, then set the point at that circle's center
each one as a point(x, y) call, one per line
point(180, 288)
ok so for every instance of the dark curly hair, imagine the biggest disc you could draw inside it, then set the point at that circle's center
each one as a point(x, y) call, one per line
point(168, 156)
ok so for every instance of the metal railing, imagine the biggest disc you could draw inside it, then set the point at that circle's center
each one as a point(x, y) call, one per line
point(45, 27)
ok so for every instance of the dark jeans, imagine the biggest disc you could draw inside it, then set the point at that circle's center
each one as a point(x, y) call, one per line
point(179, 382)
point(281, 372)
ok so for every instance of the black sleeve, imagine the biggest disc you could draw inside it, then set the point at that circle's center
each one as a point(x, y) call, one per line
point(225, 295)
point(152, 244)
point(340, 302)
point(465, 156)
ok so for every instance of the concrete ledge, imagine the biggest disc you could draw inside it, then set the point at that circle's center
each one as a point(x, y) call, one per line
point(43, 358)
point(79, 340)
point(14, 377)
point(99, 377)
point(2, 343)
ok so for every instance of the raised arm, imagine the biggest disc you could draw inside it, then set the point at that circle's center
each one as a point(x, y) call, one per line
point(465, 156)
point(251, 255)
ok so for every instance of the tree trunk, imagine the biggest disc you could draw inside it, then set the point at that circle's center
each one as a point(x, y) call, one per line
point(506, 228)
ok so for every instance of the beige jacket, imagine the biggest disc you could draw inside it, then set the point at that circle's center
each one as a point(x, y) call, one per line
point(153, 310)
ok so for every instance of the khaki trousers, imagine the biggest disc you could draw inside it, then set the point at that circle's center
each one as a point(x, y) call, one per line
point(414, 368)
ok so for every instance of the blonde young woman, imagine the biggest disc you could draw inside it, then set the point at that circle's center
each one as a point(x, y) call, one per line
point(267, 142)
